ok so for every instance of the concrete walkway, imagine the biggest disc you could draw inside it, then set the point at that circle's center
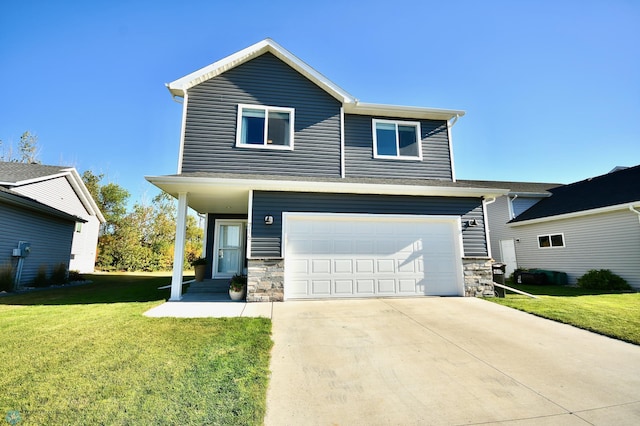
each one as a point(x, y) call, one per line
point(443, 361)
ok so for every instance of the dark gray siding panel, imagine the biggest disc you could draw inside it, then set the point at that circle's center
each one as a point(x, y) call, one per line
point(359, 161)
point(50, 240)
point(266, 239)
point(212, 106)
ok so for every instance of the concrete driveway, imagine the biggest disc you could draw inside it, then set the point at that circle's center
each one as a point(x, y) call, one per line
point(443, 361)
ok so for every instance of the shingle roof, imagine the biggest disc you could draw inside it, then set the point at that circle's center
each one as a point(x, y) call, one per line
point(615, 188)
point(18, 172)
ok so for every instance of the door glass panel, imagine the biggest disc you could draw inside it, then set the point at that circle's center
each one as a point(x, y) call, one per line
point(229, 249)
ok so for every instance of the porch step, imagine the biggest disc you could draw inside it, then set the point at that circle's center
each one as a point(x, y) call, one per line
point(209, 286)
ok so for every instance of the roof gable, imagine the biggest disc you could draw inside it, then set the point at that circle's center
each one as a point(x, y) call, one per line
point(13, 175)
point(616, 188)
point(180, 86)
point(351, 104)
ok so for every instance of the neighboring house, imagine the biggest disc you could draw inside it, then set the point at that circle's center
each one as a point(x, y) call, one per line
point(520, 197)
point(591, 224)
point(41, 234)
point(62, 189)
point(315, 194)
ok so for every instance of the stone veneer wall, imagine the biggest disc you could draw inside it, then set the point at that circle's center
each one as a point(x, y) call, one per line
point(478, 278)
point(265, 280)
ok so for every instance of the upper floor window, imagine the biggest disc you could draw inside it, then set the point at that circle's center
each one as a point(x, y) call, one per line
point(553, 240)
point(264, 127)
point(396, 139)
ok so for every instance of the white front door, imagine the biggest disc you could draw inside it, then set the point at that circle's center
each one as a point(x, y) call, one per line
point(508, 253)
point(229, 248)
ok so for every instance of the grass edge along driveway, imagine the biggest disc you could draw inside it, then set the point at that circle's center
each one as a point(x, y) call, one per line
point(87, 355)
point(613, 315)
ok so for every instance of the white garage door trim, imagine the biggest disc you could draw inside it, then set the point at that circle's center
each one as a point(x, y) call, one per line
point(409, 268)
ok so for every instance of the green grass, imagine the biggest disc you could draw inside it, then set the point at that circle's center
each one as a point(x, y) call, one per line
point(87, 355)
point(613, 315)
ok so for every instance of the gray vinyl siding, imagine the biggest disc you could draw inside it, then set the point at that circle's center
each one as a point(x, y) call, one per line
point(50, 240)
point(602, 241)
point(266, 239)
point(359, 161)
point(212, 106)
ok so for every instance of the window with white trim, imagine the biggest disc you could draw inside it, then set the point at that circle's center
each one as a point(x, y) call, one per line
point(261, 126)
point(397, 139)
point(550, 241)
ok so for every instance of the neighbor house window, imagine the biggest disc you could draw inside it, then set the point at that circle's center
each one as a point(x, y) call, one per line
point(397, 140)
point(552, 240)
point(264, 127)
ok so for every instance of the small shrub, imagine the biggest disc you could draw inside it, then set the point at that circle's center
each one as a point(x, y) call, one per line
point(6, 277)
point(59, 274)
point(603, 279)
point(75, 276)
point(41, 277)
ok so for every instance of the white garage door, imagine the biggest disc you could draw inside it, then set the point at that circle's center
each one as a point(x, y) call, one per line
point(350, 255)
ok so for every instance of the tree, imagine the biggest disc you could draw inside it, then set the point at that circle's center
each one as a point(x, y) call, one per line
point(140, 239)
point(28, 148)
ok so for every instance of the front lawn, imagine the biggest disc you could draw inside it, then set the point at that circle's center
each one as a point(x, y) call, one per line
point(613, 315)
point(87, 355)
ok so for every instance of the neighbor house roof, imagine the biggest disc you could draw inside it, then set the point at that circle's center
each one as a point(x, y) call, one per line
point(618, 188)
point(11, 197)
point(351, 104)
point(18, 174)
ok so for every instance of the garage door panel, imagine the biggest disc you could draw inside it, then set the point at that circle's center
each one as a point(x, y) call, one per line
point(343, 287)
point(364, 256)
point(387, 286)
point(386, 266)
point(365, 287)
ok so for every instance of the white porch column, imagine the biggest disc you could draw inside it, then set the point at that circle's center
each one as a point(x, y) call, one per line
point(178, 251)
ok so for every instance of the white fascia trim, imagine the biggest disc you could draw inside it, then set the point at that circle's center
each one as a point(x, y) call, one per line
point(183, 130)
point(62, 173)
point(600, 210)
point(342, 159)
point(402, 111)
point(84, 195)
point(196, 184)
point(178, 87)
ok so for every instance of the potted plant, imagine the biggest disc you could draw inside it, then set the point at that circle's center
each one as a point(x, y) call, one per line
point(237, 287)
point(200, 267)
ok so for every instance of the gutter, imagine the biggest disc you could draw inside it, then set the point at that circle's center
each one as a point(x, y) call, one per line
point(633, 209)
point(607, 209)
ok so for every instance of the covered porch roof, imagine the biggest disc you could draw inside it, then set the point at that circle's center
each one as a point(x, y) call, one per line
point(228, 193)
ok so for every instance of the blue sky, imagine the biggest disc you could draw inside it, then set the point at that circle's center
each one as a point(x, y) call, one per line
point(551, 89)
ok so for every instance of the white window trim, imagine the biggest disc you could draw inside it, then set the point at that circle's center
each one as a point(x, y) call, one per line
point(564, 243)
point(415, 124)
point(266, 109)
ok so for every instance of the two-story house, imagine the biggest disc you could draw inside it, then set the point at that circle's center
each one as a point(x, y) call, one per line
point(315, 194)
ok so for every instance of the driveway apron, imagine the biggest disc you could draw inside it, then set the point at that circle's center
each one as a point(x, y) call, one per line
point(443, 361)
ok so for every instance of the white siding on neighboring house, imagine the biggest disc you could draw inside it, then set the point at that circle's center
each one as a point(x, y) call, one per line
point(59, 193)
point(498, 216)
point(599, 241)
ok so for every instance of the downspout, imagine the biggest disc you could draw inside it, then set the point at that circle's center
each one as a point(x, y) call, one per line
point(450, 124)
point(485, 203)
point(633, 209)
point(512, 213)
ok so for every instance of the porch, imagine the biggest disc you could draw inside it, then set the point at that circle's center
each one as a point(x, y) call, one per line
point(209, 299)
